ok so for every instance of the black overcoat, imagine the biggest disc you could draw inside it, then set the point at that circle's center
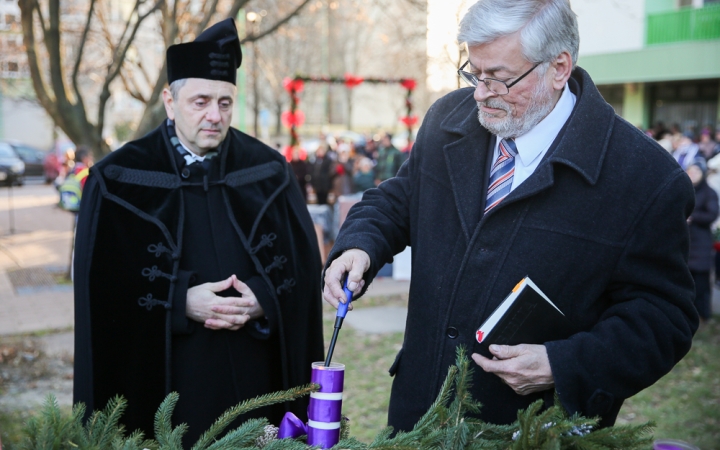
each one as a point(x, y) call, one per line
point(148, 230)
point(600, 227)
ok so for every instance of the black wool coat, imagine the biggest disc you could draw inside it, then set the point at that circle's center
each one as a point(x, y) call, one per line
point(600, 227)
point(702, 254)
point(148, 230)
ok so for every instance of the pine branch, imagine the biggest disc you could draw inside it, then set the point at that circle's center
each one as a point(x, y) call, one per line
point(442, 399)
point(244, 435)
point(167, 437)
point(248, 405)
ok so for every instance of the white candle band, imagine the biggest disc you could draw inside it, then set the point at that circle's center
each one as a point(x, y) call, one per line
point(326, 395)
point(323, 425)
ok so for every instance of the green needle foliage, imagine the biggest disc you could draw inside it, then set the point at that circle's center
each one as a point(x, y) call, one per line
point(450, 423)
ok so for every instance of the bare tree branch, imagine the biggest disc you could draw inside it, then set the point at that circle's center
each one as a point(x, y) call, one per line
point(81, 48)
point(132, 90)
point(117, 64)
point(36, 5)
point(278, 24)
point(27, 19)
point(53, 47)
point(236, 7)
point(206, 17)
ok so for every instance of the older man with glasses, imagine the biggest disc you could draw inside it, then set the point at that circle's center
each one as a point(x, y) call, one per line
point(529, 173)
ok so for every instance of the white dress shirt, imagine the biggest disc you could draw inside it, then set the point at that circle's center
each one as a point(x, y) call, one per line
point(533, 145)
point(192, 155)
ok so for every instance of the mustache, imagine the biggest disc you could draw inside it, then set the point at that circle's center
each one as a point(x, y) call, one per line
point(495, 103)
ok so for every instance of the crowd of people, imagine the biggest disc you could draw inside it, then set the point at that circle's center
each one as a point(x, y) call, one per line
point(342, 166)
point(699, 155)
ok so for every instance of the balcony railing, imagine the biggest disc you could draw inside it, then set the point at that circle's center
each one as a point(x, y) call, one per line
point(690, 24)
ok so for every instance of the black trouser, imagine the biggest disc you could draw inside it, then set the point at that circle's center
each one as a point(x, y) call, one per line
point(702, 293)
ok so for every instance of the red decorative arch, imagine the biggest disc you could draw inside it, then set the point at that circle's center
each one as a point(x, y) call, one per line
point(294, 118)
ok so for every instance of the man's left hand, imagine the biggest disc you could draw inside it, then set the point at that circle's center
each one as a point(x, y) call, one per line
point(525, 368)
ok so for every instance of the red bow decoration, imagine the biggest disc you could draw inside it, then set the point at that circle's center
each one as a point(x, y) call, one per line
point(293, 119)
point(409, 120)
point(288, 152)
point(409, 84)
point(351, 81)
point(293, 85)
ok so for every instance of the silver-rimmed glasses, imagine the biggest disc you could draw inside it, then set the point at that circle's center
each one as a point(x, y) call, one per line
point(497, 86)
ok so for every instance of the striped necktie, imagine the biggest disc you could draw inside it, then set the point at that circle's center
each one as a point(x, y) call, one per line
point(501, 174)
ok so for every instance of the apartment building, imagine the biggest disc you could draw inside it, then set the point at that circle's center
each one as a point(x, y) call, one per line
point(654, 60)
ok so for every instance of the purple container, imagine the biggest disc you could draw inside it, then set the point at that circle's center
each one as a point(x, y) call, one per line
point(324, 411)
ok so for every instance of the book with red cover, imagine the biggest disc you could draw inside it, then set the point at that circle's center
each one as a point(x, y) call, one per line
point(526, 316)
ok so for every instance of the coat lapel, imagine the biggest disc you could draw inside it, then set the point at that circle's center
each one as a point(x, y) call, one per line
point(580, 145)
point(467, 162)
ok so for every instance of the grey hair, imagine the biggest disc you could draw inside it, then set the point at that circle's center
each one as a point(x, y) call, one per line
point(175, 87)
point(549, 27)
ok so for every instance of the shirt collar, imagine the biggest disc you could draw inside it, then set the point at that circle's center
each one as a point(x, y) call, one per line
point(531, 144)
point(192, 155)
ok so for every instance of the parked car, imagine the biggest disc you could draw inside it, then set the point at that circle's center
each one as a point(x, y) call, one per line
point(31, 156)
point(12, 168)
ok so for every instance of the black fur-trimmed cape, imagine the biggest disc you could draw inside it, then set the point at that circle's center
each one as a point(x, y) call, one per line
point(128, 279)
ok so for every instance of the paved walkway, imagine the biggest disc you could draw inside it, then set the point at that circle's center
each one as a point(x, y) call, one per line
point(34, 233)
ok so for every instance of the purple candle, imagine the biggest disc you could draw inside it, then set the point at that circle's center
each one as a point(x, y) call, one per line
point(326, 405)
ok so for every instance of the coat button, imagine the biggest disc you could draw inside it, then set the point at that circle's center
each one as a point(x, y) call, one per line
point(452, 332)
point(185, 173)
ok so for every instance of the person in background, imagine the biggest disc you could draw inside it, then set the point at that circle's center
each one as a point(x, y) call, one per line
point(686, 151)
point(343, 183)
point(666, 142)
point(707, 147)
point(676, 135)
point(389, 159)
point(83, 162)
point(701, 256)
point(322, 174)
point(299, 166)
point(364, 178)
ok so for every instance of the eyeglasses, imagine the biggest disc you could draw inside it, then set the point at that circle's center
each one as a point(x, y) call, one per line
point(493, 85)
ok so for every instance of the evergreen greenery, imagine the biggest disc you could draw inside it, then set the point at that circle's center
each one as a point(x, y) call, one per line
point(448, 424)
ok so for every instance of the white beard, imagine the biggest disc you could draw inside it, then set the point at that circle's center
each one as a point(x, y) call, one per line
point(541, 103)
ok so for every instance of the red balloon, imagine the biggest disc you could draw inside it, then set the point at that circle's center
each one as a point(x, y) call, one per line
point(351, 81)
point(409, 84)
point(289, 150)
point(291, 84)
point(409, 120)
point(293, 119)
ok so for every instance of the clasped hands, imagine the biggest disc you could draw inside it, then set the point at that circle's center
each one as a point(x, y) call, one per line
point(222, 313)
point(525, 368)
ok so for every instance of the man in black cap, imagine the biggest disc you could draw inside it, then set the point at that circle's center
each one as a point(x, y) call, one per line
point(197, 268)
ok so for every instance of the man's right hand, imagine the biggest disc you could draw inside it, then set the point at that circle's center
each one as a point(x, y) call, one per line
point(201, 299)
point(355, 263)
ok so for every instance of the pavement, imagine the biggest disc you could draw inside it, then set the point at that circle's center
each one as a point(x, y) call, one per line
point(35, 239)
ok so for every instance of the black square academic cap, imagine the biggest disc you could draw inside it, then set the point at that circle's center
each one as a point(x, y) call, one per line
point(214, 55)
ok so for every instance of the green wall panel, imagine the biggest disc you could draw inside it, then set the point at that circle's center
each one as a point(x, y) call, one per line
point(683, 61)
